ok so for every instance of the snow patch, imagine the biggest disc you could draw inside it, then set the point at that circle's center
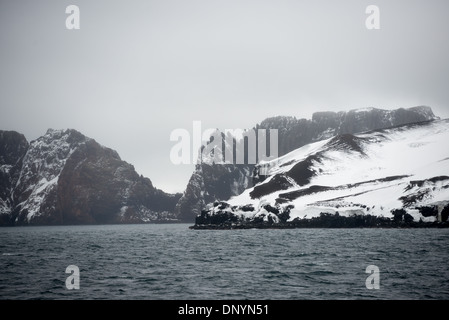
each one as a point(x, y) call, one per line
point(374, 183)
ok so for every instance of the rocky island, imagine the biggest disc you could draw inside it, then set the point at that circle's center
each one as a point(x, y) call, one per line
point(393, 177)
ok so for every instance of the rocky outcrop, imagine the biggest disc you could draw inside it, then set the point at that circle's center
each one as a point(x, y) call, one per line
point(325, 220)
point(64, 177)
point(396, 177)
point(295, 133)
point(13, 147)
point(211, 182)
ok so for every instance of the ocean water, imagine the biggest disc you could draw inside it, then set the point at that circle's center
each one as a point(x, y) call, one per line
point(170, 261)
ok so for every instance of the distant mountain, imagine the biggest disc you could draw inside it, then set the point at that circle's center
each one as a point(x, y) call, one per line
point(390, 177)
point(65, 177)
point(215, 182)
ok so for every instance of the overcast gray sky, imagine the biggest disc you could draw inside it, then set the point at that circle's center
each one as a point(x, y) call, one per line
point(136, 70)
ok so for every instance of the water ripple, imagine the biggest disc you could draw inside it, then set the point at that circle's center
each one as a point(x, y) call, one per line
point(173, 262)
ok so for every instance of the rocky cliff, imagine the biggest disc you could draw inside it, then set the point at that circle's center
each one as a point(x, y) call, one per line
point(65, 177)
point(396, 177)
point(215, 182)
point(13, 147)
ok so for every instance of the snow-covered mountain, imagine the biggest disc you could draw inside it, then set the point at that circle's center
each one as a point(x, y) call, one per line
point(65, 177)
point(211, 182)
point(399, 175)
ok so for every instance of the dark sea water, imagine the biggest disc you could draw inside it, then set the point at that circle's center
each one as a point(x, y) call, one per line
point(170, 261)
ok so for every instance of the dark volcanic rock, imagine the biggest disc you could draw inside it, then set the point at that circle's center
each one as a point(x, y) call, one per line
point(279, 182)
point(13, 147)
point(209, 183)
point(220, 182)
point(325, 220)
point(67, 178)
point(395, 178)
point(95, 183)
point(428, 211)
point(445, 214)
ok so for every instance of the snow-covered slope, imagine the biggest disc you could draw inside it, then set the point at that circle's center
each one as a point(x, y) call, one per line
point(374, 173)
point(210, 183)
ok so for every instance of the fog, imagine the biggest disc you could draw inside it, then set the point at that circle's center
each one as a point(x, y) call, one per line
point(137, 70)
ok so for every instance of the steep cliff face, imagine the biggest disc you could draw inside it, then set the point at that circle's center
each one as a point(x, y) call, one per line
point(220, 182)
point(209, 182)
point(13, 147)
point(295, 133)
point(67, 178)
point(396, 177)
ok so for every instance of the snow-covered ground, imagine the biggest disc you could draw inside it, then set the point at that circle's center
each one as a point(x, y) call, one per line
point(379, 173)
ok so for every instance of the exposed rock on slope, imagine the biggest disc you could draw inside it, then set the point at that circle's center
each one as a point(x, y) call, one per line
point(211, 183)
point(67, 178)
point(392, 177)
point(13, 147)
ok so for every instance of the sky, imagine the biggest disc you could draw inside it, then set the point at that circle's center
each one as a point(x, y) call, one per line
point(137, 70)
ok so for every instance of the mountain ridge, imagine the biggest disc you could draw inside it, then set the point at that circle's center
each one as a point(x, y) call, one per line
point(292, 134)
point(64, 177)
point(392, 177)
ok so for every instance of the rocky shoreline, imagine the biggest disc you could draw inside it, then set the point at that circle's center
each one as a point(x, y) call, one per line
point(326, 220)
